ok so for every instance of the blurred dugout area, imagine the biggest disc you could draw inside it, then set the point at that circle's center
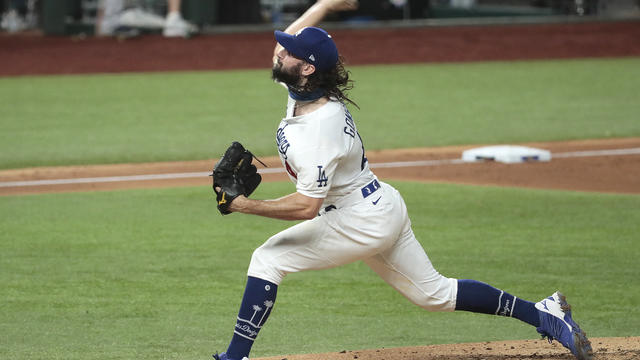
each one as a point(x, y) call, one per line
point(68, 17)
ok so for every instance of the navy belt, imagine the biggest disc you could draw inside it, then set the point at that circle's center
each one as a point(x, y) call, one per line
point(366, 190)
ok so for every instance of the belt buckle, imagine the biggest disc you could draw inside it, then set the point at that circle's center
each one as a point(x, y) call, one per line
point(370, 188)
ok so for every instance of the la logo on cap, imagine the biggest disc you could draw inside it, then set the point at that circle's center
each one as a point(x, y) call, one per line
point(312, 58)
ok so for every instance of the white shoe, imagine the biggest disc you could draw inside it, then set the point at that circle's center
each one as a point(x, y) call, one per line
point(140, 19)
point(176, 26)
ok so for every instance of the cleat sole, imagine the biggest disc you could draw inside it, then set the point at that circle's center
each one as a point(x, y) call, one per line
point(564, 305)
point(582, 343)
point(583, 346)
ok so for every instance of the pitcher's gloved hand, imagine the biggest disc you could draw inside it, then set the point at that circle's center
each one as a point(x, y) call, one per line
point(234, 175)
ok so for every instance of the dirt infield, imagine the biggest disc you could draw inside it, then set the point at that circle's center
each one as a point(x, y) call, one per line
point(585, 165)
point(575, 165)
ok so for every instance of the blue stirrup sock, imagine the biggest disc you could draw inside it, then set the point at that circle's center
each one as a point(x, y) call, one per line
point(259, 297)
point(478, 297)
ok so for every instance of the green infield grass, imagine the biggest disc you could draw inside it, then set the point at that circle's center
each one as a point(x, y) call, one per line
point(159, 274)
point(89, 119)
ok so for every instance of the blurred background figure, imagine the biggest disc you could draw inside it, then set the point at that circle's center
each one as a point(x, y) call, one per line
point(114, 16)
point(174, 24)
point(18, 15)
point(183, 18)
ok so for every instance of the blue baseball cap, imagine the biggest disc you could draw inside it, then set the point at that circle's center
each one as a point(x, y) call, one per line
point(311, 44)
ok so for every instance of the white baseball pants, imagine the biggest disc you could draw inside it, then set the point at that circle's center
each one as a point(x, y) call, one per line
point(376, 230)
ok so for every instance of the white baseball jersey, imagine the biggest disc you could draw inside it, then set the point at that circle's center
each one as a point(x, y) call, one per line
point(323, 152)
point(363, 218)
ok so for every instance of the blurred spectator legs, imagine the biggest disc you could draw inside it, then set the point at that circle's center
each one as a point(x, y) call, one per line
point(175, 25)
point(115, 15)
point(107, 19)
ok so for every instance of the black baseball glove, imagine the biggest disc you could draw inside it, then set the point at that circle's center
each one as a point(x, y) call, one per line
point(234, 175)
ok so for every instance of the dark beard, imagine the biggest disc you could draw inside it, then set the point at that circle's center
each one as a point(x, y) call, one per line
point(290, 78)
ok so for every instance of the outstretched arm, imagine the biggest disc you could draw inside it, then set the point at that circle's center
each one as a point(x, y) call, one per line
point(315, 14)
point(291, 207)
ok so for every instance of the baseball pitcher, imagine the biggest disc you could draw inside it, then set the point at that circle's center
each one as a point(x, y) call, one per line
point(348, 213)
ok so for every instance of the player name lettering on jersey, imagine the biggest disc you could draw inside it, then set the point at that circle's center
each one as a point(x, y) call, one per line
point(350, 129)
point(281, 141)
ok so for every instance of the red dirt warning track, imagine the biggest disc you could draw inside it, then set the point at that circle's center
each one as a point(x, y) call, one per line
point(36, 55)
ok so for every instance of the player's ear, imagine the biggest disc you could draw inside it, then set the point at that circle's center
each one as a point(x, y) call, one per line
point(307, 69)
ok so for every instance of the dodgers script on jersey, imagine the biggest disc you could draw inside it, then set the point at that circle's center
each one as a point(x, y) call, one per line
point(323, 152)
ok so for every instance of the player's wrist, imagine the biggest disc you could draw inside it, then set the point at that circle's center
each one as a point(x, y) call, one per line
point(238, 204)
point(337, 5)
point(323, 5)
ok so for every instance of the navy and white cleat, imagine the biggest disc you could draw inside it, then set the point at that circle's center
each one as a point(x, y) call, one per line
point(556, 324)
point(223, 356)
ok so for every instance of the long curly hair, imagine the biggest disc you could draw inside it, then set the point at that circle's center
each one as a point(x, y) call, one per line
point(335, 82)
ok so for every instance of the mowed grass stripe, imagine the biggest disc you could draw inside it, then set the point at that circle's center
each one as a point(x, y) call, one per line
point(94, 119)
point(151, 274)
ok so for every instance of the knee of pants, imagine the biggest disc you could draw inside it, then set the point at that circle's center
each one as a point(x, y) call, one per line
point(439, 298)
point(262, 268)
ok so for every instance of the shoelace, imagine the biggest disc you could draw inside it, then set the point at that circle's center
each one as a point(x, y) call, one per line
point(548, 337)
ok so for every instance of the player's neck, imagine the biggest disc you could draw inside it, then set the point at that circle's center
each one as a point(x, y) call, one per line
point(306, 107)
point(298, 94)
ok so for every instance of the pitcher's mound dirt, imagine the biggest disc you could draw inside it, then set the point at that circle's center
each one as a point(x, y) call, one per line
point(627, 348)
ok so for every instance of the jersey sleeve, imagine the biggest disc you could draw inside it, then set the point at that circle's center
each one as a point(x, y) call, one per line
point(315, 170)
